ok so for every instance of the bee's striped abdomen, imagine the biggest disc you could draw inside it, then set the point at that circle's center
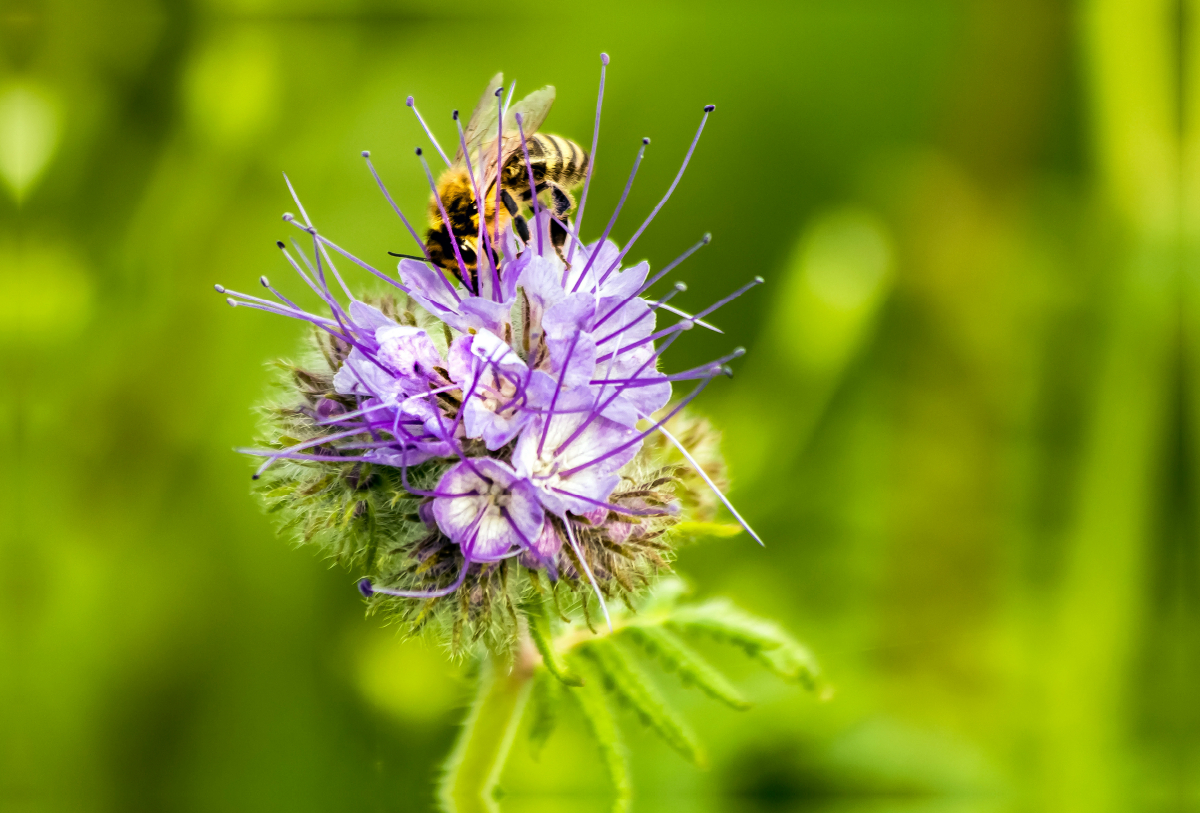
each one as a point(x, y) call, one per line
point(565, 161)
point(552, 159)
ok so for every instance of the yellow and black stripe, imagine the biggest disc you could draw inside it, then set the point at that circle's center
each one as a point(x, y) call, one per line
point(553, 159)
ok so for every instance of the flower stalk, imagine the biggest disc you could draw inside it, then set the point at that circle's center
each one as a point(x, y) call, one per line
point(471, 774)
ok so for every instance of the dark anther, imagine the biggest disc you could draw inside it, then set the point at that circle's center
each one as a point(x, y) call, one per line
point(366, 153)
point(708, 108)
point(645, 140)
point(454, 115)
point(409, 101)
point(707, 238)
point(279, 243)
point(498, 92)
point(418, 150)
point(364, 585)
point(265, 282)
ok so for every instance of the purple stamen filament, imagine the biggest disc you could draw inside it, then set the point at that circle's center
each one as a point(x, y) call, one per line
point(678, 176)
point(532, 185)
point(687, 323)
point(646, 286)
point(412, 103)
point(499, 158)
point(612, 220)
point(382, 188)
point(678, 289)
point(619, 389)
point(687, 399)
point(453, 239)
point(484, 243)
point(587, 180)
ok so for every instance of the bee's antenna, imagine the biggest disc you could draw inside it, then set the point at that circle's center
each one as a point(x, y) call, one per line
point(411, 103)
point(409, 257)
point(708, 109)
point(449, 227)
point(587, 180)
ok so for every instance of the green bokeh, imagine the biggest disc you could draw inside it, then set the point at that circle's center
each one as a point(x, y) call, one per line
point(963, 425)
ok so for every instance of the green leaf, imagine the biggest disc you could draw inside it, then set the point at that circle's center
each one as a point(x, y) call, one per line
point(598, 714)
point(763, 640)
point(625, 678)
point(539, 630)
point(692, 668)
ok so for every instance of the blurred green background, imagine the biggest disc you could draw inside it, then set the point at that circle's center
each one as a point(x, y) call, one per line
point(963, 424)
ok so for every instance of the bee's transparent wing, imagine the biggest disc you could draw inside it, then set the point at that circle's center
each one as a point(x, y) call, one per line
point(482, 125)
point(533, 109)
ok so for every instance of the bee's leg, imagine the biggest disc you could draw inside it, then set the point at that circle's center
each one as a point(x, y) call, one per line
point(522, 227)
point(509, 203)
point(527, 196)
point(558, 236)
point(562, 204)
point(562, 201)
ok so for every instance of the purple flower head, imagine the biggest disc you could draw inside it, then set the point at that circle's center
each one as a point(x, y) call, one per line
point(514, 417)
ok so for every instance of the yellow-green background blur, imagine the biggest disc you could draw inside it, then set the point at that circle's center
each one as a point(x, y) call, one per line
point(962, 426)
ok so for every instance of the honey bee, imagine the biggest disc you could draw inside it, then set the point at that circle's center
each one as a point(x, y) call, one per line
point(557, 165)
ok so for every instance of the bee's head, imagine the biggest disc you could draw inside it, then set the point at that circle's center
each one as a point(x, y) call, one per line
point(457, 195)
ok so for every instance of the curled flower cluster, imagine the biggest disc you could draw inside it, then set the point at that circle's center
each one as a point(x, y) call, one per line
point(514, 423)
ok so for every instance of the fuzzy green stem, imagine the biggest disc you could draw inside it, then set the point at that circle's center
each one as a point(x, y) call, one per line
point(472, 771)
